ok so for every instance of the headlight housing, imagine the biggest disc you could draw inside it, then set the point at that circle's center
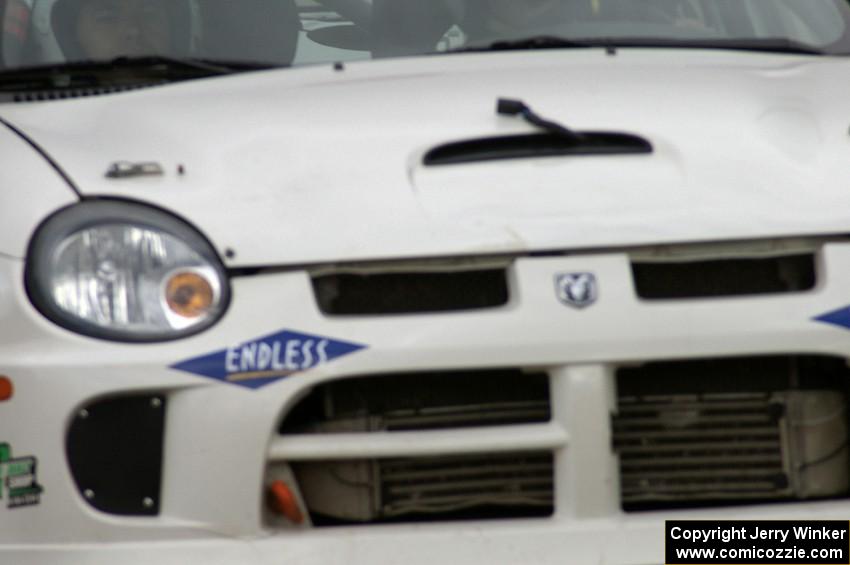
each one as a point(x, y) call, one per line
point(125, 272)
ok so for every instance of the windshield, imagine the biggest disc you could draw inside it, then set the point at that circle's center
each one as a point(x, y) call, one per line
point(302, 32)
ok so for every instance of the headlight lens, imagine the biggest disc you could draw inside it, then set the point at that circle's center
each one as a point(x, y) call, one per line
point(125, 272)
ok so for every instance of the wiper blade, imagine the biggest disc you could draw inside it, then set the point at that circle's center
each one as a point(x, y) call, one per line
point(122, 71)
point(526, 43)
point(212, 66)
point(768, 45)
point(167, 63)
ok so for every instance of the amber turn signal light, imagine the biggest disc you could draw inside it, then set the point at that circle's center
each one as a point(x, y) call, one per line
point(6, 388)
point(188, 294)
point(284, 502)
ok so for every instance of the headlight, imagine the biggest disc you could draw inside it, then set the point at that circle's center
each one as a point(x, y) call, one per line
point(125, 272)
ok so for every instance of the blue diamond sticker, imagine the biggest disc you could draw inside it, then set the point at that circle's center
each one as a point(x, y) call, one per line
point(840, 317)
point(262, 361)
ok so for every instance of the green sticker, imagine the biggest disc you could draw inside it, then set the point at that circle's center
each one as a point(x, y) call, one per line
point(18, 479)
point(5, 455)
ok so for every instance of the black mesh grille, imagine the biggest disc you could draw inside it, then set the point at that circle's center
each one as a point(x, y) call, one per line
point(727, 277)
point(408, 293)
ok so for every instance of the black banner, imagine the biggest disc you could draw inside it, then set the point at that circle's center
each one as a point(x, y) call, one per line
point(738, 542)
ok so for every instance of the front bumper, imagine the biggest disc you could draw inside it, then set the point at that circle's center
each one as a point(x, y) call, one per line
point(219, 437)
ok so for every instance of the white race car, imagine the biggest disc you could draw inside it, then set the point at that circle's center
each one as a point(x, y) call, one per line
point(418, 281)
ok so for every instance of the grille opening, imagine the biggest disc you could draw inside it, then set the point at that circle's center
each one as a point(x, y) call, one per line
point(422, 401)
point(115, 452)
point(426, 489)
point(724, 277)
point(691, 434)
point(410, 293)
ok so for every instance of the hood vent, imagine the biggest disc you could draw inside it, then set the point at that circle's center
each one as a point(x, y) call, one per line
point(535, 146)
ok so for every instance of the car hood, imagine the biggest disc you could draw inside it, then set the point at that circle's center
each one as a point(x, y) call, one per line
point(319, 164)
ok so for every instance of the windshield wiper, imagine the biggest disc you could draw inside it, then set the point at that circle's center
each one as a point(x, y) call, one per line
point(768, 45)
point(122, 71)
point(772, 46)
point(186, 63)
point(526, 43)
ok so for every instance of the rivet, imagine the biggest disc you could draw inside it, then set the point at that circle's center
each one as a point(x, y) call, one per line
point(156, 402)
point(147, 502)
point(88, 493)
point(83, 414)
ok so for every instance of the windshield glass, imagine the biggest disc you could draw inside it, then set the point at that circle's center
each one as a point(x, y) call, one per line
point(300, 32)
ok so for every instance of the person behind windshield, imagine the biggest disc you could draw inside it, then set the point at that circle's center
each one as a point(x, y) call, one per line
point(414, 26)
point(512, 16)
point(249, 31)
point(106, 29)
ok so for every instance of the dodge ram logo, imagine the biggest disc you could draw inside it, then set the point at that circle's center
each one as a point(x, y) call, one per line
point(576, 289)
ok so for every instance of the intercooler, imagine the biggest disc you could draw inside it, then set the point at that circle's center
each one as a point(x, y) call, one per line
point(484, 444)
point(681, 449)
point(499, 483)
point(382, 489)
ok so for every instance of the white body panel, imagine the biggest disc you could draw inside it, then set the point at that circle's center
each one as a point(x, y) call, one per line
point(316, 165)
point(219, 434)
point(31, 189)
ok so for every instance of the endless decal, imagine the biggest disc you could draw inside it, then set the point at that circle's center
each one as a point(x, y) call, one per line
point(259, 362)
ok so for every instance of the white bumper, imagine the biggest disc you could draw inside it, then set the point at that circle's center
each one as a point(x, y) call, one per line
point(219, 437)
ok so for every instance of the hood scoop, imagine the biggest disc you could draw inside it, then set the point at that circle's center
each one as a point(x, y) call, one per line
point(556, 140)
point(536, 145)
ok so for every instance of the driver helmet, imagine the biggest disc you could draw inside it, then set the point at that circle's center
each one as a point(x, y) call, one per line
point(52, 38)
point(45, 30)
point(63, 22)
